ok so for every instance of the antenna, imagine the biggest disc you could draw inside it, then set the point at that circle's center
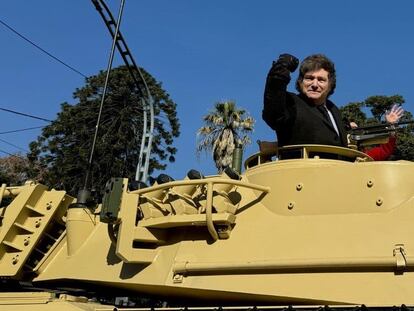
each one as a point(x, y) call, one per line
point(84, 194)
point(147, 101)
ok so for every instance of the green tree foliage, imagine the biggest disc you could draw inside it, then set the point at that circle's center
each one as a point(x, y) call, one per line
point(64, 146)
point(352, 112)
point(225, 127)
point(405, 140)
point(380, 104)
point(377, 106)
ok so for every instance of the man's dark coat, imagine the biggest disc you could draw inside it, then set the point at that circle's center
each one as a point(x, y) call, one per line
point(297, 120)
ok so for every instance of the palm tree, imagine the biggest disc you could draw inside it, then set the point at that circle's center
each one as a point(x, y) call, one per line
point(225, 128)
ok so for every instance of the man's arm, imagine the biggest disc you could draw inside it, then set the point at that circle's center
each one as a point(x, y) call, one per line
point(275, 111)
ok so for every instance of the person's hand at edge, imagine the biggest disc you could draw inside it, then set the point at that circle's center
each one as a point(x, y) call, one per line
point(394, 114)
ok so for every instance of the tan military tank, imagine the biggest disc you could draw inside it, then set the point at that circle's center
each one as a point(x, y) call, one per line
point(315, 226)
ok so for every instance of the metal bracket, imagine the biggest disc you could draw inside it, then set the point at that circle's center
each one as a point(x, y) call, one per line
point(178, 278)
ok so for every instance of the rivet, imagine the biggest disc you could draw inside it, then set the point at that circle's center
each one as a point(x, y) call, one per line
point(26, 241)
point(15, 260)
point(291, 205)
point(299, 187)
point(370, 183)
point(48, 205)
point(38, 223)
point(178, 278)
point(379, 202)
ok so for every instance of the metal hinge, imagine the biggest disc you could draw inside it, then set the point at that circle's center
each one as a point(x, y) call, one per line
point(400, 257)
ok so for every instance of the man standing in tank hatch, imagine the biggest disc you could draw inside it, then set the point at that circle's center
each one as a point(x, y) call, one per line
point(308, 117)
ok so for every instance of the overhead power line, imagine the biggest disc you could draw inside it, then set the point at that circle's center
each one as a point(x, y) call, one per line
point(21, 130)
point(6, 152)
point(13, 145)
point(25, 114)
point(41, 49)
point(13, 155)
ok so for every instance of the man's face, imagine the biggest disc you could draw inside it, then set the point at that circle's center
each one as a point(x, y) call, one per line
point(315, 86)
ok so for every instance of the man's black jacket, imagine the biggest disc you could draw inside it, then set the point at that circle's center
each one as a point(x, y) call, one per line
point(296, 120)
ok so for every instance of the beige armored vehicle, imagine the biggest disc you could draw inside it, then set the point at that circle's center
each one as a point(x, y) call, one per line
point(303, 226)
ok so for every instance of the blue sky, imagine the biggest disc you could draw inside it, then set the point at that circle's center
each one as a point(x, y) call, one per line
point(202, 52)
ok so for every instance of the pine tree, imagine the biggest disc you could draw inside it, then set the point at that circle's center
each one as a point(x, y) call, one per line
point(63, 148)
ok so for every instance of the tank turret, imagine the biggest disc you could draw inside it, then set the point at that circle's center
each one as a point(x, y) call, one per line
point(302, 225)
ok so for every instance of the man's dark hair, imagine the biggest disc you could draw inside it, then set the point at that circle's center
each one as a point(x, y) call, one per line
point(316, 62)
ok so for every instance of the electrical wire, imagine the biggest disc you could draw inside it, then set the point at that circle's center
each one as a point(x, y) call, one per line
point(25, 114)
point(21, 130)
point(13, 155)
point(41, 49)
point(15, 146)
point(8, 153)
